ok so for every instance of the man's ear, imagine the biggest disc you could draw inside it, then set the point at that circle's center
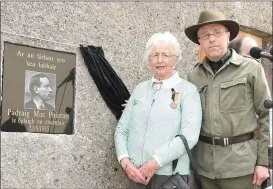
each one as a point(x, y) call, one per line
point(228, 34)
point(35, 89)
point(228, 41)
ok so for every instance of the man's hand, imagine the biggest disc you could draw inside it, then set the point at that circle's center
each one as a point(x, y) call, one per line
point(260, 174)
point(149, 169)
point(132, 172)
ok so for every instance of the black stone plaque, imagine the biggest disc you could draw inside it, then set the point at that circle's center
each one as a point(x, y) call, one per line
point(38, 90)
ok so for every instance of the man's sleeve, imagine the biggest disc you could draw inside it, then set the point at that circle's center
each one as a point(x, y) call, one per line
point(261, 93)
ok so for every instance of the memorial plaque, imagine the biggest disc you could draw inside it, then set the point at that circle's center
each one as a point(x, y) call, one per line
point(38, 90)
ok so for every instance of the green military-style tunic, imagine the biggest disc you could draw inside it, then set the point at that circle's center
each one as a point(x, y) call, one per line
point(232, 104)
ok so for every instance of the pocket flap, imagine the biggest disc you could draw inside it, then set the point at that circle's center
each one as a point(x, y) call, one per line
point(233, 82)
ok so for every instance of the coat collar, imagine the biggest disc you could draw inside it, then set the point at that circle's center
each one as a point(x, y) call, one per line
point(235, 59)
point(168, 83)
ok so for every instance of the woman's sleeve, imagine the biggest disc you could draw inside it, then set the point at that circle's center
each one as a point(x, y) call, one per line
point(122, 129)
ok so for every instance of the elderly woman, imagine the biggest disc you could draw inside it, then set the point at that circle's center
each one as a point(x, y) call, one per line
point(157, 111)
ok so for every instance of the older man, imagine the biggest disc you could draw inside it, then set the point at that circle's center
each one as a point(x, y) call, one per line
point(242, 45)
point(232, 89)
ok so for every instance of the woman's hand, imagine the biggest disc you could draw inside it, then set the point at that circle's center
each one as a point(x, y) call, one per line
point(124, 105)
point(132, 172)
point(149, 169)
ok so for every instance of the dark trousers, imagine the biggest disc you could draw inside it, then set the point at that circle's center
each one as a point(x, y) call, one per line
point(155, 183)
point(244, 182)
point(264, 184)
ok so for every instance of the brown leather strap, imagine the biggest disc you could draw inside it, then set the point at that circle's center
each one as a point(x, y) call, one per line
point(224, 141)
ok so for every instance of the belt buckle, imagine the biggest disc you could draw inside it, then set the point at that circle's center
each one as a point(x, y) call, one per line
point(213, 143)
point(225, 141)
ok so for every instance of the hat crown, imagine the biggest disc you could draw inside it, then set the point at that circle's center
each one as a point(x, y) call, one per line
point(209, 16)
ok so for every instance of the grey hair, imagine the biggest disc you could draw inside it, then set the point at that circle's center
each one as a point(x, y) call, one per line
point(165, 38)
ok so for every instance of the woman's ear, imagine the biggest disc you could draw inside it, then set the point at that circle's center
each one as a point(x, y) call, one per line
point(178, 59)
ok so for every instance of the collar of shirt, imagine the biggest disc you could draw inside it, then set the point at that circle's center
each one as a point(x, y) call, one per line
point(170, 82)
point(235, 59)
point(215, 66)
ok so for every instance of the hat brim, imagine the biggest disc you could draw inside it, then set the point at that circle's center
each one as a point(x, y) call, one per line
point(232, 26)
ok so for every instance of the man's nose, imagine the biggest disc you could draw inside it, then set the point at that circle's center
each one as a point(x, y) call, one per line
point(211, 37)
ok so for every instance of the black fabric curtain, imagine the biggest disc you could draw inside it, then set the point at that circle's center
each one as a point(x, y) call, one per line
point(110, 86)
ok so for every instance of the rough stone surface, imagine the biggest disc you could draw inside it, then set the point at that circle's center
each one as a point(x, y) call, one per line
point(87, 159)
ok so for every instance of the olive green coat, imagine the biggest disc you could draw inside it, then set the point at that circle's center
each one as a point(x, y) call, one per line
point(232, 104)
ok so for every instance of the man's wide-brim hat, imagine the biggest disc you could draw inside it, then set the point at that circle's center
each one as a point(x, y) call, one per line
point(211, 17)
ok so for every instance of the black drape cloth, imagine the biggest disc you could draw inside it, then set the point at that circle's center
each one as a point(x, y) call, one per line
point(110, 86)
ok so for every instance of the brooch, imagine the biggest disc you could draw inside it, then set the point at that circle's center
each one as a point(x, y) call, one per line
point(174, 98)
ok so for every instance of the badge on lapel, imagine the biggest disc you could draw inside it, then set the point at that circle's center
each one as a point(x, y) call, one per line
point(175, 96)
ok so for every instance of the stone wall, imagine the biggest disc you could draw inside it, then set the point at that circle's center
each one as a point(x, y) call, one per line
point(87, 158)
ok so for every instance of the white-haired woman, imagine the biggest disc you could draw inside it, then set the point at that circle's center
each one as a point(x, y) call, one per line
point(157, 111)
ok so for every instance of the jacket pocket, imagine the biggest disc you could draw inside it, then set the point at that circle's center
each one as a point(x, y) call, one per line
point(233, 95)
point(202, 89)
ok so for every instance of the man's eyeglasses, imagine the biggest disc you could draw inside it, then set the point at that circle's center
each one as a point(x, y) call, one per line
point(215, 33)
point(162, 55)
